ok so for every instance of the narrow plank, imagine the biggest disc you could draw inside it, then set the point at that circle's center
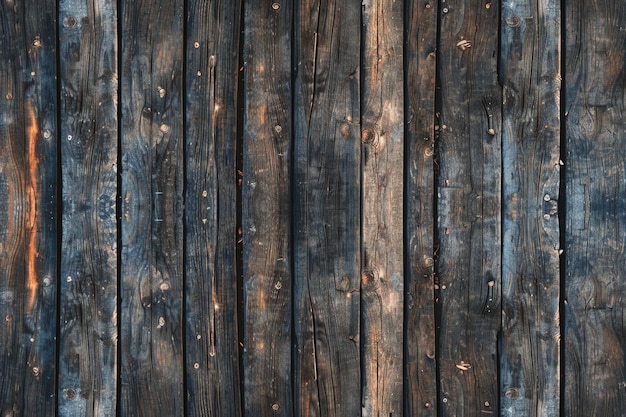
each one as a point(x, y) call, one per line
point(531, 76)
point(266, 209)
point(28, 216)
point(595, 339)
point(89, 137)
point(469, 208)
point(152, 193)
point(212, 353)
point(421, 44)
point(327, 213)
point(382, 278)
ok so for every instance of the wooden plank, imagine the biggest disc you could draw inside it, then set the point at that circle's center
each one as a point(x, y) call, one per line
point(327, 213)
point(266, 217)
point(530, 73)
point(595, 339)
point(28, 215)
point(469, 208)
point(89, 138)
point(152, 193)
point(212, 350)
point(420, 352)
point(382, 278)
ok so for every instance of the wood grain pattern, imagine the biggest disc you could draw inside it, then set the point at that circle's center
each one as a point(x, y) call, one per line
point(421, 36)
point(327, 220)
point(28, 208)
point(530, 351)
point(152, 214)
point(469, 208)
point(212, 354)
point(382, 278)
point(267, 264)
point(89, 146)
point(596, 208)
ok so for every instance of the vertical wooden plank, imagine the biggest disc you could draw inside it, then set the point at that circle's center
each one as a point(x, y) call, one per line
point(212, 361)
point(469, 208)
point(266, 209)
point(382, 278)
point(152, 185)
point(28, 217)
point(327, 212)
point(530, 73)
point(421, 43)
point(595, 339)
point(89, 127)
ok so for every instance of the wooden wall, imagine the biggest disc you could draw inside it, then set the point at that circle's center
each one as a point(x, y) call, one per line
point(312, 208)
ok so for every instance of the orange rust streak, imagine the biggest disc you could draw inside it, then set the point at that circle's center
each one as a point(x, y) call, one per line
point(32, 132)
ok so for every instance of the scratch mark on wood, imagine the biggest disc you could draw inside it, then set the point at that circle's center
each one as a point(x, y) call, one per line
point(32, 132)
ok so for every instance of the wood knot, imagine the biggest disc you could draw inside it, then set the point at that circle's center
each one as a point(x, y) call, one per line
point(368, 136)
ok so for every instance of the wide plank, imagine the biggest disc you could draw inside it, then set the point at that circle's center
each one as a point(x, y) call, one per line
point(327, 211)
point(266, 209)
point(28, 213)
point(420, 75)
point(469, 207)
point(212, 343)
point(89, 145)
point(595, 105)
point(152, 307)
point(382, 137)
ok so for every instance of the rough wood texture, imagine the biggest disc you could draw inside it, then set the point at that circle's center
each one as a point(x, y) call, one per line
point(28, 208)
point(327, 218)
point(421, 37)
point(152, 185)
point(266, 205)
point(469, 208)
point(530, 73)
point(89, 145)
point(382, 137)
point(212, 355)
point(595, 339)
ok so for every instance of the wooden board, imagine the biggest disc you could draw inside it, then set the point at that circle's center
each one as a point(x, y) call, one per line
point(152, 194)
point(28, 213)
point(469, 208)
point(595, 340)
point(89, 152)
point(420, 351)
point(212, 344)
point(530, 73)
point(382, 136)
point(327, 214)
point(266, 190)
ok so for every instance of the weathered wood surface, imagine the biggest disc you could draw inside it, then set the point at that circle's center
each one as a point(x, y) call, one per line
point(28, 208)
point(152, 308)
point(327, 164)
point(469, 208)
point(595, 287)
point(531, 77)
point(266, 190)
point(382, 136)
point(420, 349)
point(212, 343)
point(89, 152)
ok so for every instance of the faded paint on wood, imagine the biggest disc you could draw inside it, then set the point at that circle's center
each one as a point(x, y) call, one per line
point(531, 77)
point(382, 137)
point(420, 352)
point(152, 194)
point(327, 220)
point(266, 190)
point(89, 149)
point(212, 345)
point(28, 208)
point(595, 373)
point(469, 208)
